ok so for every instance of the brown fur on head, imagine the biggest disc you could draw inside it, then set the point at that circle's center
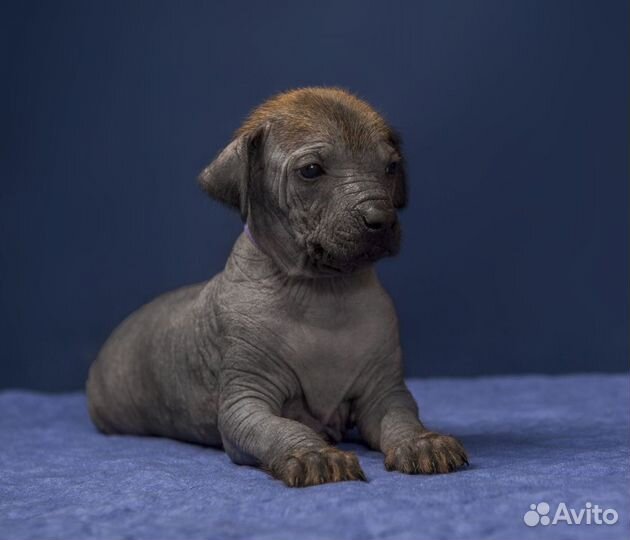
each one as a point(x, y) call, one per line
point(318, 174)
point(300, 111)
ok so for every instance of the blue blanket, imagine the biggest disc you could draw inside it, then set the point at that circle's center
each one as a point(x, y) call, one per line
point(531, 440)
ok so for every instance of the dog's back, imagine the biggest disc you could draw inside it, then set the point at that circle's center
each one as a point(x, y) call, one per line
point(134, 385)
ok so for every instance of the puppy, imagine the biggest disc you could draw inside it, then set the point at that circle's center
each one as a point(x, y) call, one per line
point(296, 341)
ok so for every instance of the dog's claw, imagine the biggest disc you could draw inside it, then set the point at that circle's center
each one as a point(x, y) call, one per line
point(427, 453)
point(313, 467)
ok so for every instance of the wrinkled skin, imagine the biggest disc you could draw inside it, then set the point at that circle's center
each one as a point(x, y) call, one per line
point(296, 341)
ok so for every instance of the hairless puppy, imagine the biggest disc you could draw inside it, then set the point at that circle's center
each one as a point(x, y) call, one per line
point(296, 341)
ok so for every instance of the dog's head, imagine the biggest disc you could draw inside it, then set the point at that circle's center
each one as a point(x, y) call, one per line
point(318, 176)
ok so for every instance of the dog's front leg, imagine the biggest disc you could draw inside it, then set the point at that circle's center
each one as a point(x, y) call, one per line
point(388, 421)
point(254, 433)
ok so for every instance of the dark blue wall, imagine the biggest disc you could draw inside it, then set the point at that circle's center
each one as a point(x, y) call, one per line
point(514, 116)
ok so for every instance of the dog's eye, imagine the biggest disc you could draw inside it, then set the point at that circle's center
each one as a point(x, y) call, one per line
point(311, 171)
point(392, 168)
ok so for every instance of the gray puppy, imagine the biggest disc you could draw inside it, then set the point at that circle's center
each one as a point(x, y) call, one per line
point(296, 341)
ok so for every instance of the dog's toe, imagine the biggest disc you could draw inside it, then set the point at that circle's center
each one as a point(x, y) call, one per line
point(427, 453)
point(313, 467)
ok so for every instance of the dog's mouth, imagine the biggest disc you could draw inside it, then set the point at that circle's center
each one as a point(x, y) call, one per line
point(351, 255)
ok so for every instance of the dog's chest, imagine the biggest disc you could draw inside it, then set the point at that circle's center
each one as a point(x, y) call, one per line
point(330, 349)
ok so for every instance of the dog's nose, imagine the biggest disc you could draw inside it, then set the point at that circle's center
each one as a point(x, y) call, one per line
point(376, 217)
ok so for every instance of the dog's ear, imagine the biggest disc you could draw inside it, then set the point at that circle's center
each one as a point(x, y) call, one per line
point(399, 197)
point(227, 178)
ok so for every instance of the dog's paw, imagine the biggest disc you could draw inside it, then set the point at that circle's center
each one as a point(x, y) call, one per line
point(312, 467)
point(426, 453)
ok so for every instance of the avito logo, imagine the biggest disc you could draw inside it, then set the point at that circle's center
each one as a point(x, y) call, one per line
point(591, 514)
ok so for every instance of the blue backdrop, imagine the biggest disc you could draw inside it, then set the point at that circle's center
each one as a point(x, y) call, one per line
point(514, 118)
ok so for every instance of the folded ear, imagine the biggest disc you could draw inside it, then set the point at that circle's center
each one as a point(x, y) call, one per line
point(226, 179)
point(399, 197)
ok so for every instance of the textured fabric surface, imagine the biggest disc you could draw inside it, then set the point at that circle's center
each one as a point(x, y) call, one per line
point(531, 439)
